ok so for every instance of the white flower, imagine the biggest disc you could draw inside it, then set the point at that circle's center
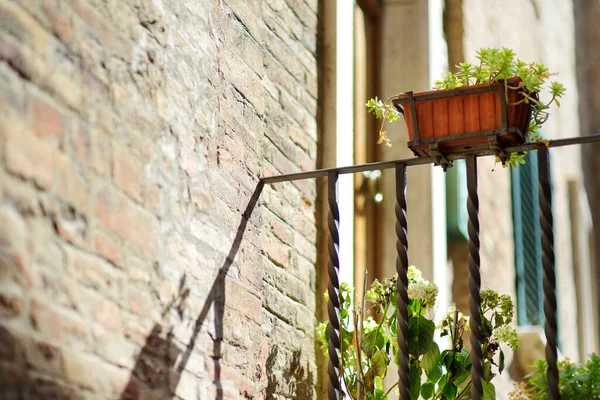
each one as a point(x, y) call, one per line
point(506, 334)
point(414, 274)
point(423, 291)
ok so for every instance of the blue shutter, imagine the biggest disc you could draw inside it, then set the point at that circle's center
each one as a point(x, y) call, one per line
point(527, 235)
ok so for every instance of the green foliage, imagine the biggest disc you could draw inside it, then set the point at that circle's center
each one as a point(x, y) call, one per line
point(370, 343)
point(497, 65)
point(386, 111)
point(576, 381)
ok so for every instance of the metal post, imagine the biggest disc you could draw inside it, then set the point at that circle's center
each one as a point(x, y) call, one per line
point(474, 279)
point(402, 269)
point(550, 328)
point(333, 306)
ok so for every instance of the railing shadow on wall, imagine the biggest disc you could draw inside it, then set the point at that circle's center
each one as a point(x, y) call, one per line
point(157, 369)
point(160, 349)
point(400, 166)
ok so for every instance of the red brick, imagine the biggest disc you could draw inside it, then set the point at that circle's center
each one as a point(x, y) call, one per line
point(60, 21)
point(154, 198)
point(111, 208)
point(139, 302)
point(92, 271)
point(70, 185)
point(144, 232)
point(55, 324)
point(17, 263)
point(81, 144)
point(276, 251)
point(47, 120)
point(240, 299)
point(100, 153)
point(30, 157)
point(281, 230)
point(128, 174)
point(128, 221)
point(107, 314)
point(107, 247)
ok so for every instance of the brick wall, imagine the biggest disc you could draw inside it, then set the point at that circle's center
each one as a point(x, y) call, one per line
point(133, 134)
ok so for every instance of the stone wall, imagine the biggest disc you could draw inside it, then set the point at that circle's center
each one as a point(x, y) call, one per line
point(133, 134)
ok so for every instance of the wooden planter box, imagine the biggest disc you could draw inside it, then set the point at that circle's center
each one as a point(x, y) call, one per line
point(464, 119)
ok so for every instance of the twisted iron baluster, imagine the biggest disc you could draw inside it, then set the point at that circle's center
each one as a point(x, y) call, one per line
point(333, 306)
point(550, 328)
point(402, 268)
point(474, 279)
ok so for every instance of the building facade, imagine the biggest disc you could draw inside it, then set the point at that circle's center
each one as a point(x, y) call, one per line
point(136, 260)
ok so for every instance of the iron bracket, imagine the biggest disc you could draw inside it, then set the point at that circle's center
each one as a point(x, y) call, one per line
point(503, 156)
point(439, 158)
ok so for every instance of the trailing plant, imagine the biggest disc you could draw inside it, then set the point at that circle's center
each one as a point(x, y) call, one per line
point(576, 381)
point(494, 66)
point(369, 343)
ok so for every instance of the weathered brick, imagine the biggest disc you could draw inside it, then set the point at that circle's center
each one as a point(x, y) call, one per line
point(239, 298)
point(113, 347)
point(128, 174)
point(23, 147)
point(107, 247)
point(70, 184)
point(107, 314)
point(132, 142)
point(92, 271)
point(79, 368)
point(55, 324)
point(48, 121)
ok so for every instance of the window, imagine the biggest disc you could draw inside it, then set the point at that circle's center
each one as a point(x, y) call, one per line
point(527, 237)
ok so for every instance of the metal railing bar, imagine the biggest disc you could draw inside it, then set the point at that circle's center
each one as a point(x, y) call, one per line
point(423, 160)
point(333, 288)
point(549, 281)
point(402, 283)
point(474, 280)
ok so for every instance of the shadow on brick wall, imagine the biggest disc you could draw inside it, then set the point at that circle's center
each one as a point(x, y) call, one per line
point(156, 373)
point(295, 383)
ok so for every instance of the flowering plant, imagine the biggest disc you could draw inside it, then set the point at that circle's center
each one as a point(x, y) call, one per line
point(369, 344)
point(494, 66)
point(576, 381)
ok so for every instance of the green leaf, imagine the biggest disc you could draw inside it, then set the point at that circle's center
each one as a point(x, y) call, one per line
point(489, 391)
point(501, 362)
point(435, 374)
point(427, 390)
point(420, 333)
point(431, 359)
point(379, 363)
point(414, 379)
point(372, 341)
point(463, 377)
point(450, 390)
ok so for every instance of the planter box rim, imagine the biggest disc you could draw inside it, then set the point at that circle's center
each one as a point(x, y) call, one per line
point(403, 98)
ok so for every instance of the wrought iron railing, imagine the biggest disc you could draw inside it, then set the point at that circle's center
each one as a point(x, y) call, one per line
point(400, 166)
